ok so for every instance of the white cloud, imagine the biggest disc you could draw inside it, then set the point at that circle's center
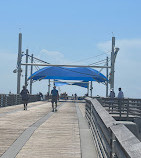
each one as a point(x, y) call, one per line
point(128, 65)
point(53, 57)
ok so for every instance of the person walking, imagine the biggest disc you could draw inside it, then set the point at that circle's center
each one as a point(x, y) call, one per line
point(25, 96)
point(41, 96)
point(120, 94)
point(75, 96)
point(120, 100)
point(112, 96)
point(55, 97)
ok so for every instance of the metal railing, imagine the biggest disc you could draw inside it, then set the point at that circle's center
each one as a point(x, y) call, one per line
point(14, 99)
point(112, 140)
point(123, 107)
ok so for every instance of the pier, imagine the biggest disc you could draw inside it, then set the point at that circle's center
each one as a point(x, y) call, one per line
point(38, 132)
point(79, 129)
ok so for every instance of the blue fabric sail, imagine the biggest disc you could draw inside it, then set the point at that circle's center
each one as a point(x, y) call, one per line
point(67, 73)
point(81, 84)
point(61, 83)
point(57, 84)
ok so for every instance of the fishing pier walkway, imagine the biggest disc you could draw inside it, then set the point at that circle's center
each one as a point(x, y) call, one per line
point(90, 128)
point(38, 132)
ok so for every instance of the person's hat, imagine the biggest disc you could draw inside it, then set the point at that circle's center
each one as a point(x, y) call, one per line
point(112, 89)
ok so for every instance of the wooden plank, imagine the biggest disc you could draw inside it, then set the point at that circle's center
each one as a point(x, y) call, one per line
point(56, 138)
point(13, 124)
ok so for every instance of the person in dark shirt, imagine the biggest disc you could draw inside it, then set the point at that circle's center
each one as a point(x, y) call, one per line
point(41, 96)
point(55, 96)
point(75, 96)
point(25, 96)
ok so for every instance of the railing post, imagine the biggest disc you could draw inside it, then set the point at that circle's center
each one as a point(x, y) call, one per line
point(113, 146)
point(140, 108)
point(128, 108)
point(120, 107)
point(91, 113)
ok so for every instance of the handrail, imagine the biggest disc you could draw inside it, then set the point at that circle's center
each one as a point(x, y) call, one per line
point(123, 107)
point(111, 139)
point(14, 99)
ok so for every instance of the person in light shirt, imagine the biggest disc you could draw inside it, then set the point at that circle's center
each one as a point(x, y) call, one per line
point(120, 94)
point(112, 96)
point(112, 93)
point(120, 100)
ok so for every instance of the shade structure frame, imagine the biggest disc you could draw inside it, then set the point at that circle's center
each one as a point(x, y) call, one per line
point(67, 73)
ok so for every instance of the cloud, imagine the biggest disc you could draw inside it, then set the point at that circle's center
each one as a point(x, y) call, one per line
point(127, 66)
point(53, 57)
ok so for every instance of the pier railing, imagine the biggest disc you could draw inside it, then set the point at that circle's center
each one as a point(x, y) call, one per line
point(123, 107)
point(13, 99)
point(112, 140)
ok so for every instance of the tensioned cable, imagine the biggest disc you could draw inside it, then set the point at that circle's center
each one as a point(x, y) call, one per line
point(88, 58)
point(98, 62)
point(39, 59)
point(37, 68)
point(104, 65)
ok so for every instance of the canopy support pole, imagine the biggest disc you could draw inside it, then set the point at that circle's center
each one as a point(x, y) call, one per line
point(49, 86)
point(107, 78)
point(26, 68)
point(88, 89)
point(91, 88)
point(31, 74)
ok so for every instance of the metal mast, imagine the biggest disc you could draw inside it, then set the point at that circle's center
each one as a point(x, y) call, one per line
point(112, 63)
point(107, 86)
point(31, 74)
point(26, 67)
point(113, 58)
point(19, 63)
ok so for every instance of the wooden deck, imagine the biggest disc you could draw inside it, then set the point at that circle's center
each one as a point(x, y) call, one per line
point(38, 132)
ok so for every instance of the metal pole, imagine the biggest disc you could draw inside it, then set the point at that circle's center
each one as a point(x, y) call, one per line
point(19, 63)
point(31, 74)
point(112, 63)
point(91, 88)
point(49, 86)
point(38, 64)
point(88, 89)
point(26, 68)
point(107, 86)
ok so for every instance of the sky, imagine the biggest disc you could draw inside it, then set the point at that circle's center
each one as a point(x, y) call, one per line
point(72, 32)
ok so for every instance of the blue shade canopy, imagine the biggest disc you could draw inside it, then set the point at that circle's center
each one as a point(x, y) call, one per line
point(67, 73)
point(57, 84)
point(84, 85)
point(81, 84)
